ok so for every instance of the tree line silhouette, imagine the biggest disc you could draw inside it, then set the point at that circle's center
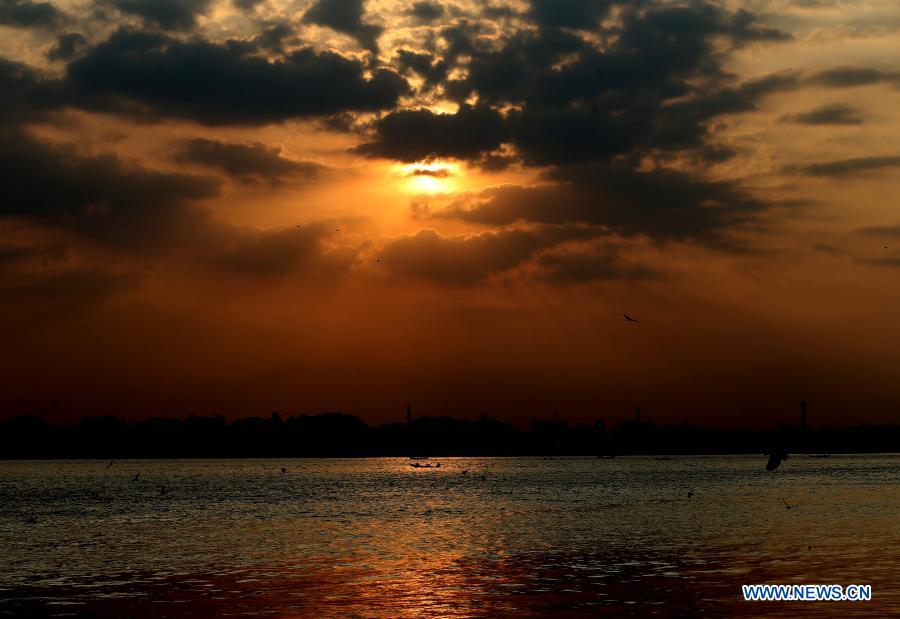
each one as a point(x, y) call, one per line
point(343, 435)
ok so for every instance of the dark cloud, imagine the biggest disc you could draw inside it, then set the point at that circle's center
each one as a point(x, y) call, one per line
point(836, 114)
point(573, 102)
point(18, 254)
point(28, 14)
point(685, 123)
point(99, 197)
point(247, 5)
point(629, 119)
point(345, 16)
point(123, 207)
point(466, 259)
point(655, 52)
point(514, 71)
point(426, 12)
point(344, 122)
point(167, 14)
point(661, 204)
point(846, 167)
point(827, 249)
point(716, 154)
point(25, 95)
point(854, 76)
point(151, 75)
point(438, 173)
point(427, 66)
point(14, 253)
point(599, 261)
point(67, 46)
point(498, 11)
point(68, 291)
point(580, 14)
point(881, 231)
point(416, 135)
point(277, 253)
point(252, 162)
point(494, 163)
point(884, 262)
point(274, 36)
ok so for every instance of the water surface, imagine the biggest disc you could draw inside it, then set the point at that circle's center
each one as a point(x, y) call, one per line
point(378, 538)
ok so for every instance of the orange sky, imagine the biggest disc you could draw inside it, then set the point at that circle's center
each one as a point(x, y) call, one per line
point(234, 207)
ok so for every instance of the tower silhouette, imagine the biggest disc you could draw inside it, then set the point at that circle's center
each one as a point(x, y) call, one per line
point(803, 415)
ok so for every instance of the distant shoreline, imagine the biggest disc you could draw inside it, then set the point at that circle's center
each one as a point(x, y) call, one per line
point(649, 456)
point(338, 435)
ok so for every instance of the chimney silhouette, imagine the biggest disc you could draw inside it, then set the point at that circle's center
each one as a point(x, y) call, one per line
point(803, 415)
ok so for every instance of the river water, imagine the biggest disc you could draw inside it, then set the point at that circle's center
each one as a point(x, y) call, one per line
point(477, 537)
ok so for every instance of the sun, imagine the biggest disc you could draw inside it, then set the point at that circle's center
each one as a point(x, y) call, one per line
point(432, 177)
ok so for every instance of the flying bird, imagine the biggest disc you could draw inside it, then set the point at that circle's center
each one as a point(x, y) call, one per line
point(108, 465)
point(136, 476)
point(690, 493)
point(629, 318)
point(786, 504)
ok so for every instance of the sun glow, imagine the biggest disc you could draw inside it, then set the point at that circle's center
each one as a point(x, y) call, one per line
point(430, 178)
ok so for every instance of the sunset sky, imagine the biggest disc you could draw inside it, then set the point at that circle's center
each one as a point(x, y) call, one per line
point(237, 206)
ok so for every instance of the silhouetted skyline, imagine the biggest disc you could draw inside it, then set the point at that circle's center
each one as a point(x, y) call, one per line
point(340, 434)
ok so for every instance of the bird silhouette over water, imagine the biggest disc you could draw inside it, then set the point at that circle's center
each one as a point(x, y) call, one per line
point(465, 472)
point(786, 504)
point(777, 456)
point(108, 465)
point(690, 493)
point(484, 475)
point(136, 476)
point(629, 318)
point(283, 470)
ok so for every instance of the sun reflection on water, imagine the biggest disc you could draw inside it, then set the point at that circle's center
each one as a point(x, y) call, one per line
point(380, 538)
